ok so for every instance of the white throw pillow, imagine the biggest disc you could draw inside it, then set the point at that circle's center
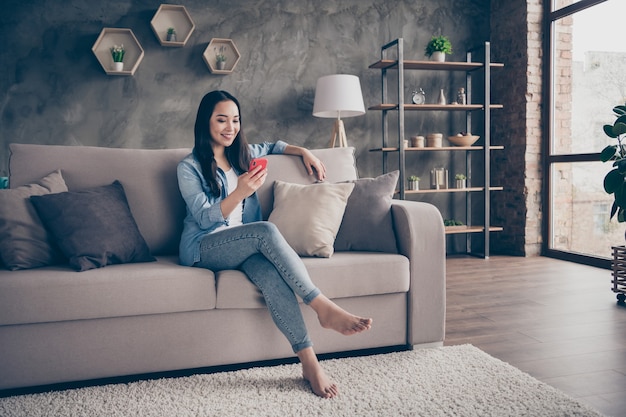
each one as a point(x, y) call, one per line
point(309, 216)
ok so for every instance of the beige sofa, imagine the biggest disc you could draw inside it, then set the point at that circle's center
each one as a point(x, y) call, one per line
point(58, 325)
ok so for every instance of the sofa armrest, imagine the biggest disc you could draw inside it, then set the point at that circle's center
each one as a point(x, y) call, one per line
point(421, 237)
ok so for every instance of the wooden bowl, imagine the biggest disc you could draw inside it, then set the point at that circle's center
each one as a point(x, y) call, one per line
point(467, 140)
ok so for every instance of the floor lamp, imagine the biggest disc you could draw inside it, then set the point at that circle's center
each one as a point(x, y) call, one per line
point(338, 96)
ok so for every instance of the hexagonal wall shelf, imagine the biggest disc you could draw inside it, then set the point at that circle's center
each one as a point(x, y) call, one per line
point(172, 16)
point(116, 36)
point(224, 47)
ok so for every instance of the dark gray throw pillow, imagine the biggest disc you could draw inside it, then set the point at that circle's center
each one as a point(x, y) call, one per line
point(367, 223)
point(93, 227)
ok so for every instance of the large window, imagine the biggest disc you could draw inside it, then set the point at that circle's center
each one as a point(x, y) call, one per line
point(587, 61)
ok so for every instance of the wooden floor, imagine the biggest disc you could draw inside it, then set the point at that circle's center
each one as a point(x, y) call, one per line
point(558, 321)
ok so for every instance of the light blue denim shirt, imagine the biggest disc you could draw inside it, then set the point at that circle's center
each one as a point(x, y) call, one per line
point(204, 213)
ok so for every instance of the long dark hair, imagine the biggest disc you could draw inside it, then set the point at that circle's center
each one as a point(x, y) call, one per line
point(238, 154)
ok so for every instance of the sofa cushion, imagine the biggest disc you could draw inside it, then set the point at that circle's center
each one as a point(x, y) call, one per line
point(309, 216)
point(24, 241)
point(148, 175)
point(367, 224)
point(345, 274)
point(55, 293)
point(93, 227)
point(150, 181)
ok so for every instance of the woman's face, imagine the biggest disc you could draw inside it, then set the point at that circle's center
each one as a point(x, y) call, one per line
point(224, 123)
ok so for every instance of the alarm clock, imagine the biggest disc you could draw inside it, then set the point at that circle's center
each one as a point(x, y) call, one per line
point(419, 97)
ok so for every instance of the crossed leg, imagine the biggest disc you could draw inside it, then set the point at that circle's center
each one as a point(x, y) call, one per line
point(330, 316)
point(262, 269)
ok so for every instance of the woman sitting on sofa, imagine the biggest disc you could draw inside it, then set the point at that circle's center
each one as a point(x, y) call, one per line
point(223, 229)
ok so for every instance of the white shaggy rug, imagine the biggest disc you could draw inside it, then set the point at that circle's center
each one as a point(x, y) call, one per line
point(447, 381)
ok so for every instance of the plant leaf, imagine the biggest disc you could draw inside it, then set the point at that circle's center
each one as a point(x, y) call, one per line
point(620, 196)
point(620, 110)
point(608, 130)
point(619, 128)
point(613, 210)
point(613, 181)
point(620, 165)
point(608, 153)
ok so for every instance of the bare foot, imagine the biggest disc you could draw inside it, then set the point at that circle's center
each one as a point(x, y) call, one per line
point(331, 316)
point(313, 373)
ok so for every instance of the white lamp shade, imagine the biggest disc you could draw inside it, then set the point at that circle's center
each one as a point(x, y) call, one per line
point(338, 96)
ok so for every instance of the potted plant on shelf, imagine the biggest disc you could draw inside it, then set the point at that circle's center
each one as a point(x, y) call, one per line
point(437, 48)
point(461, 180)
point(452, 223)
point(220, 57)
point(171, 35)
point(117, 53)
point(414, 182)
point(615, 180)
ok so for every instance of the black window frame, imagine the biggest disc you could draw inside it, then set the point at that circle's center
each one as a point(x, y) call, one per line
point(550, 17)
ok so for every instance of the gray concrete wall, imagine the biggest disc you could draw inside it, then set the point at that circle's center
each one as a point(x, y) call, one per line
point(54, 91)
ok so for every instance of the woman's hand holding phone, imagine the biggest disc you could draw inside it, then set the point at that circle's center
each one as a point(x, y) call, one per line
point(252, 180)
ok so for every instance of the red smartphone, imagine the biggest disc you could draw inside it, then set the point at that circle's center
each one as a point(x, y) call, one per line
point(258, 162)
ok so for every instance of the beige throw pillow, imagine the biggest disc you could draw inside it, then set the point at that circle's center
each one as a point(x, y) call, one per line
point(309, 216)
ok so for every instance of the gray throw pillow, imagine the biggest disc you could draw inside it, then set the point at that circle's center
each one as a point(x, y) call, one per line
point(367, 223)
point(93, 227)
point(24, 241)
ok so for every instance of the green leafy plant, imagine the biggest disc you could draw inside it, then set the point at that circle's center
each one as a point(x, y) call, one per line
point(615, 180)
point(414, 178)
point(452, 222)
point(171, 35)
point(117, 52)
point(460, 177)
point(219, 54)
point(438, 44)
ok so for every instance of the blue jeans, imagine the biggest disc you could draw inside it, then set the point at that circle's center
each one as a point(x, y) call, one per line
point(262, 253)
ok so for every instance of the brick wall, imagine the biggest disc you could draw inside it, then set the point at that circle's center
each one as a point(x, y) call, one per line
point(518, 127)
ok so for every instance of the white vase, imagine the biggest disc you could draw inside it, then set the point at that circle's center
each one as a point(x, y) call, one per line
point(460, 183)
point(442, 97)
point(438, 56)
point(118, 66)
point(221, 65)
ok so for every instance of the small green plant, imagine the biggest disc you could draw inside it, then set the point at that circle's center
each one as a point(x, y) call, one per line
point(171, 35)
point(117, 52)
point(219, 54)
point(438, 44)
point(452, 222)
point(615, 180)
point(460, 177)
point(414, 178)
